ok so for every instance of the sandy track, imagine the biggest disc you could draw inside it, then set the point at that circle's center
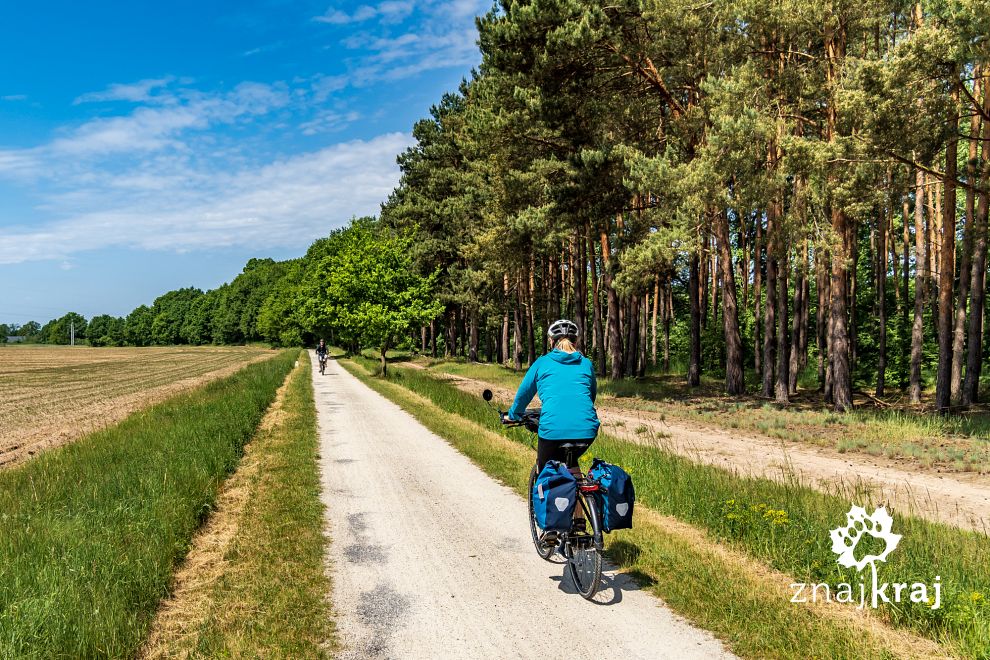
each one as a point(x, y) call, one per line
point(432, 558)
point(961, 500)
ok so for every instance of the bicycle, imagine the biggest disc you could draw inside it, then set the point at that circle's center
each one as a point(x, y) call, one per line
point(582, 550)
point(323, 363)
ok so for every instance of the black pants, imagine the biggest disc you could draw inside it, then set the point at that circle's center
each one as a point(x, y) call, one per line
point(547, 450)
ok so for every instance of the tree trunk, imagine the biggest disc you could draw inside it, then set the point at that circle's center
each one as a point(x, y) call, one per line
point(716, 294)
point(934, 219)
point(962, 299)
point(530, 316)
point(644, 335)
point(881, 293)
point(795, 356)
point(383, 361)
point(905, 308)
point(580, 288)
point(596, 309)
point(517, 334)
point(920, 285)
point(614, 336)
point(757, 295)
point(656, 301)
point(668, 315)
point(943, 387)
point(449, 347)
point(744, 263)
point(632, 332)
point(838, 344)
point(473, 352)
point(821, 314)
point(852, 241)
point(704, 263)
point(734, 375)
point(782, 387)
point(505, 321)
point(770, 308)
point(977, 288)
point(694, 293)
point(805, 310)
point(838, 329)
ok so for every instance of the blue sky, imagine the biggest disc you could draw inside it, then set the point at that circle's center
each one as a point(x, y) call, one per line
point(150, 146)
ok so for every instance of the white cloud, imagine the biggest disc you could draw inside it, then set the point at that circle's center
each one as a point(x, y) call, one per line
point(147, 128)
point(406, 55)
point(390, 11)
point(138, 92)
point(14, 97)
point(284, 203)
point(444, 37)
point(324, 86)
point(328, 121)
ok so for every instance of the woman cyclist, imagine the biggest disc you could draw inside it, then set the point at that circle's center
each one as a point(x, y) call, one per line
point(565, 381)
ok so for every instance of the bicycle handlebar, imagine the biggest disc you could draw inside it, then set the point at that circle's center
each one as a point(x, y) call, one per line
point(530, 418)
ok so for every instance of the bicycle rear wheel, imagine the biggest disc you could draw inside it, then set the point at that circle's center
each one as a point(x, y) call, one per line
point(584, 557)
point(545, 542)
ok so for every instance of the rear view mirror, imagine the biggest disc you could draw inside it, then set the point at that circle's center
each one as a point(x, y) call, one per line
point(487, 395)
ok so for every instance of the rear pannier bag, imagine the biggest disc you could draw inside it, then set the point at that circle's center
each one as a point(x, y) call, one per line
point(554, 495)
point(617, 495)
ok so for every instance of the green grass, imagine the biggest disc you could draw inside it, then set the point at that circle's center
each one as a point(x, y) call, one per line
point(785, 525)
point(90, 532)
point(270, 600)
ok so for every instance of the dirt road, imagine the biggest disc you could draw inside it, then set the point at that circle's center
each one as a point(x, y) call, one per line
point(432, 558)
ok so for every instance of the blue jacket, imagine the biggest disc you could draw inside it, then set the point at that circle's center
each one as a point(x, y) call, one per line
point(567, 388)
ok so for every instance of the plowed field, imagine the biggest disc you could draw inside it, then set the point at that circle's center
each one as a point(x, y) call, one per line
point(50, 395)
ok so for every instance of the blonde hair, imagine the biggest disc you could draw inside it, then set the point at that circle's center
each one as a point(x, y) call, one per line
point(565, 344)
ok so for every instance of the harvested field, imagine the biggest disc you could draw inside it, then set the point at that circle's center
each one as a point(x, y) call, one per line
point(54, 394)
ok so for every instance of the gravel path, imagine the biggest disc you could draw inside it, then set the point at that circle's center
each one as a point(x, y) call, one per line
point(432, 558)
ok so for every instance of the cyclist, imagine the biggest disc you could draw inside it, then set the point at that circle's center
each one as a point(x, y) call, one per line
point(565, 381)
point(322, 351)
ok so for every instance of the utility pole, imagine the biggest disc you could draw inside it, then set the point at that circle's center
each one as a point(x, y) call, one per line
point(72, 333)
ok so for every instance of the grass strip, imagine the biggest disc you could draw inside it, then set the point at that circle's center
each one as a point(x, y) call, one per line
point(90, 532)
point(785, 525)
point(265, 594)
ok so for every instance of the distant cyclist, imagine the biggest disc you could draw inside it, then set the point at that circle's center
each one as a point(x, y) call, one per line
point(565, 381)
point(321, 354)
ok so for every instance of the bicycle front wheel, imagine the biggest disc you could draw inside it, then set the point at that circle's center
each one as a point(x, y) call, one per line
point(584, 557)
point(545, 542)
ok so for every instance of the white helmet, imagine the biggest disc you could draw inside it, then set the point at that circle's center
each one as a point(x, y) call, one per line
point(563, 328)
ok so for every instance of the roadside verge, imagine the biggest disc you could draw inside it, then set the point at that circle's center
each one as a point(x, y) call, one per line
point(90, 532)
point(253, 584)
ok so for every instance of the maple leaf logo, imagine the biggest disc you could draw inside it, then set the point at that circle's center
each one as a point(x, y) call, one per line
point(845, 539)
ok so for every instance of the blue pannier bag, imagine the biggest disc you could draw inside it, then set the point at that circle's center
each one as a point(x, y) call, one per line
point(554, 495)
point(617, 495)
